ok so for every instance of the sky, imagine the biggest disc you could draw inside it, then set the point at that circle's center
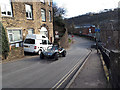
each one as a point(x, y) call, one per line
point(79, 7)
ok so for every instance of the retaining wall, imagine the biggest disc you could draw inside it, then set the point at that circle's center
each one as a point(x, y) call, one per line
point(63, 42)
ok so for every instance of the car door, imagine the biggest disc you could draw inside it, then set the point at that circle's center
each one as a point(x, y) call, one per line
point(29, 45)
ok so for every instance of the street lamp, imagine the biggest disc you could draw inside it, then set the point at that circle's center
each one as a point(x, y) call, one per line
point(97, 32)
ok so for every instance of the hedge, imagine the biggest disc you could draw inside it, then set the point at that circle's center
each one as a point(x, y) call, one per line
point(5, 45)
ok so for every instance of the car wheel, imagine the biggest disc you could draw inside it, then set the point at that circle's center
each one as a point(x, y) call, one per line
point(64, 53)
point(56, 56)
point(41, 56)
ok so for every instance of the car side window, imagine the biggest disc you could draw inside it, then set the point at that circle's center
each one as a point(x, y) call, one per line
point(44, 42)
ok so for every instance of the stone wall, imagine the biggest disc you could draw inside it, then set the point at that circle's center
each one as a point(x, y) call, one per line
point(0, 15)
point(115, 69)
point(119, 38)
point(63, 42)
point(109, 39)
point(15, 53)
point(0, 34)
point(110, 42)
point(109, 35)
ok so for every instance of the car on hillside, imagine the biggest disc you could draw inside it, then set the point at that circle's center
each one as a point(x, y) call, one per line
point(53, 53)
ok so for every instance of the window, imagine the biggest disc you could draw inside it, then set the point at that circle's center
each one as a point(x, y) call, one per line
point(29, 11)
point(6, 8)
point(29, 41)
point(43, 15)
point(49, 16)
point(43, 1)
point(14, 36)
point(43, 37)
point(30, 31)
point(44, 42)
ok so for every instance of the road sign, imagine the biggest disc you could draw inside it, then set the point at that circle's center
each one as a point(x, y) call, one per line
point(56, 36)
point(56, 32)
point(97, 30)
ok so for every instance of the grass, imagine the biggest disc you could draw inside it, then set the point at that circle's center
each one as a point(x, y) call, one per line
point(69, 40)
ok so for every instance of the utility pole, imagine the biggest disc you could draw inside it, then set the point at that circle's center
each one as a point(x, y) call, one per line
point(97, 36)
point(97, 39)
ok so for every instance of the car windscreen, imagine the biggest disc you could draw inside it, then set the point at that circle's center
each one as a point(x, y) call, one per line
point(52, 48)
point(29, 41)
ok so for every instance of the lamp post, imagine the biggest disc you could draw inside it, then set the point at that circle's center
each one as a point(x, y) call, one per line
point(97, 32)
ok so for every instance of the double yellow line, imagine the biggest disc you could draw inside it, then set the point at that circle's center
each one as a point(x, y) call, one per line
point(104, 66)
point(61, 81)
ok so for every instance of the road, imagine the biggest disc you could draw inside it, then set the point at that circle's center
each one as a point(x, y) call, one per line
point(35, 73)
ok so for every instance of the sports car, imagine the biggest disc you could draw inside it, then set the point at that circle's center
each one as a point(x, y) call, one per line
point(53, 53)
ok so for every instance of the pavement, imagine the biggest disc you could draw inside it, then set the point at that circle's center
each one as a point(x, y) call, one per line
point(92, 74)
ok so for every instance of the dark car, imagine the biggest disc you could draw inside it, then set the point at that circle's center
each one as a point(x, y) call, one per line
point(53, 53)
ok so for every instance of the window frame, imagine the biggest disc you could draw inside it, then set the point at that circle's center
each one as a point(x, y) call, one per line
point(21, 36)
point(6, 11)
point(31, 7)
point(50, 16)
point(31, 30)
point(49, 2)
point(42, 1)
point(44, 14)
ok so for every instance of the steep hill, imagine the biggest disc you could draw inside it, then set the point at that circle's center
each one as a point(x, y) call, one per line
point(93, 18)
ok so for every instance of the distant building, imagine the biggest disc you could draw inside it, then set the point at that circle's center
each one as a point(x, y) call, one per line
point(86, 29)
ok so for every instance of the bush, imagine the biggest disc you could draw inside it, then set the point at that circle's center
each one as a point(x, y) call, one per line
point(5, 46)
point(69, 40)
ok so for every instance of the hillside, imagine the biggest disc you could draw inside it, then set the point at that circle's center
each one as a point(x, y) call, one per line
point(93, 18)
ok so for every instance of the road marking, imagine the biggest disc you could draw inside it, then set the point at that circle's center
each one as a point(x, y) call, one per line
point(61, 81)
point(63, 78)
point(76, 74)
point(104, 66)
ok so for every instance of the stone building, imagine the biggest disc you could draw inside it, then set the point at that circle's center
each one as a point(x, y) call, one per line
point(22, 18)
point(0, 15)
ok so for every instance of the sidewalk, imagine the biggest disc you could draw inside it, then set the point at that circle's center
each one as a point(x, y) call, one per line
point(92, 75)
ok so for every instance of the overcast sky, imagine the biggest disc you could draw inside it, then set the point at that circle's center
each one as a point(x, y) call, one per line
point(79, 7)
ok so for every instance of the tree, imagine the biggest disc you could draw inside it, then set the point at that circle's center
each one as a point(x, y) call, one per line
point(5, 45)
point(58, 21)
point(58, 15)
point(58, 11)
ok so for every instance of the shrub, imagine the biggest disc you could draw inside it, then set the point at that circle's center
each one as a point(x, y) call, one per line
point(5, 46)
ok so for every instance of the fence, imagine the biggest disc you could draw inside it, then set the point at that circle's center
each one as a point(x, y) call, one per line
point(115, 69)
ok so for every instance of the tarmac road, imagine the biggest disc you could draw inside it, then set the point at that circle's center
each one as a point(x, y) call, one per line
point(35, 73)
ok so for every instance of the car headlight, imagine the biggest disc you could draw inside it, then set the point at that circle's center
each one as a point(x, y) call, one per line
point(49, 53)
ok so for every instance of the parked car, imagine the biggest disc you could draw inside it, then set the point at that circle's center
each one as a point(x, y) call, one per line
point(35, 43)
point(53, 53)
